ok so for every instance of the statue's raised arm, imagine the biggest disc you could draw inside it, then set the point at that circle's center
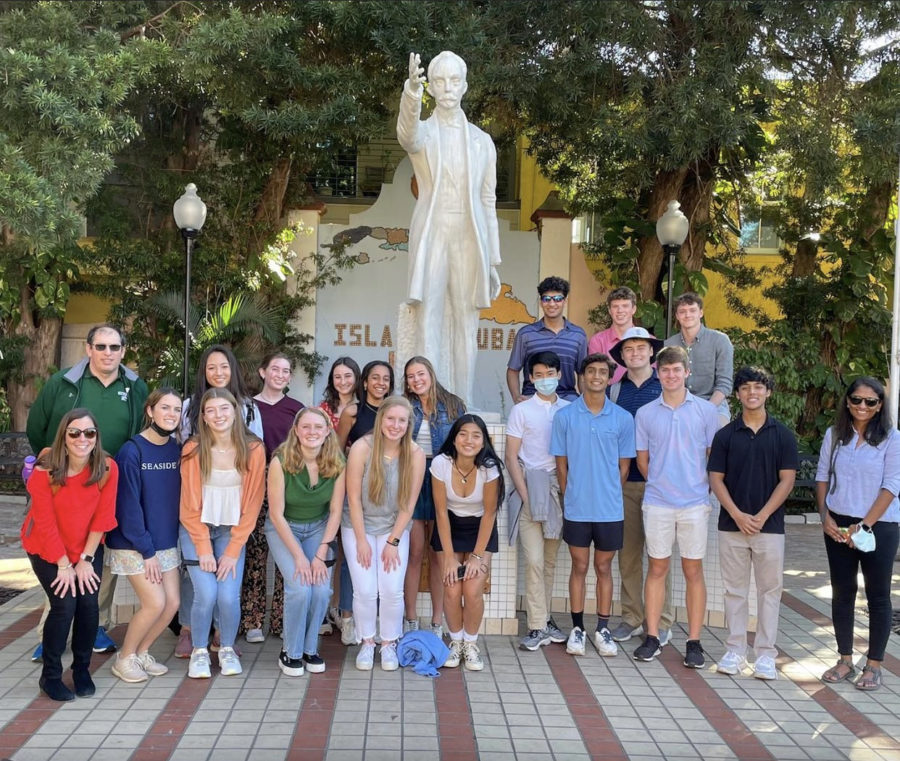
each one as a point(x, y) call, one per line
point(416, 74)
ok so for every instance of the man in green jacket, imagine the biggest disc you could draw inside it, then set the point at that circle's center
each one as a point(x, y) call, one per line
point(115, 395)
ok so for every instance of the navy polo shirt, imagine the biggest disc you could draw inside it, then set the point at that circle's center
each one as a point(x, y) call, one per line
point(750, 463)
point(570, 344)
point(631, 398)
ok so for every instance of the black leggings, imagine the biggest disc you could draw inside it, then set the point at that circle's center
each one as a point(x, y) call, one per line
point(79, 612)
point(844, 562)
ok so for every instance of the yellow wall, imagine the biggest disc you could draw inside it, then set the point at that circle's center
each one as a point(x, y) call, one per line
point(716, 313)
point(86, 308)
point(532, 187)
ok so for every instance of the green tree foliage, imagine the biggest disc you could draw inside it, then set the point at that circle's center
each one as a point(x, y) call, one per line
point(629, 105)
point(246, 100)
point(726, 107)
point(828, 182)
point(61, 121)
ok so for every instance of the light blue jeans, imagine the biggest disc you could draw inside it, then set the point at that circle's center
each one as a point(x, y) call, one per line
point(305, 605)
point(210, 594)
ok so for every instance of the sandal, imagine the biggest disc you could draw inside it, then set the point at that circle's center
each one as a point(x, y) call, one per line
point(835, 673)
point(870, 679)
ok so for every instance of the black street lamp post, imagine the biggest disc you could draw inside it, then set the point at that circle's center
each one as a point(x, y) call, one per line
point(190, 214)
point(671, 230)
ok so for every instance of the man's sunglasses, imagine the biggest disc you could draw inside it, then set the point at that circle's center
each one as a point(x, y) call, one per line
point(112, 347)
point(76, 433)
point(557, 298)
point(868, 401)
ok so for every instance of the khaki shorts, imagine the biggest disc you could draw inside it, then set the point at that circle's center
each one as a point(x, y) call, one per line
point(663, 525)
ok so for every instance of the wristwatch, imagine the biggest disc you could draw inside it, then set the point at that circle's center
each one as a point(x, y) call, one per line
point(89, 558)
point(394, 541)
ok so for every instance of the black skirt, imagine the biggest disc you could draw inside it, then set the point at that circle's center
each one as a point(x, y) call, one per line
point(464, 534)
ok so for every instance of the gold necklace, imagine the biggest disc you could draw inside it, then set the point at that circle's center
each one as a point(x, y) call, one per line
point(464, 477)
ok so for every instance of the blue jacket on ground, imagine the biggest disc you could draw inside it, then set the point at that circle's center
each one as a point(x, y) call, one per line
point(424, 651)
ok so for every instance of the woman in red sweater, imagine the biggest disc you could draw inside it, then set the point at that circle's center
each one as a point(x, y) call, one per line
point(73, 493)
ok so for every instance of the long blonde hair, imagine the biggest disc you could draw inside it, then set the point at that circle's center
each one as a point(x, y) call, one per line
point(404, 461)
point(329, 459)
point(241, 438)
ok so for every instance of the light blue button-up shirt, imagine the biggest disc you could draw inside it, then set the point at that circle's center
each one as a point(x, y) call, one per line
point(676, 439)
point(859, 473)
point(593, 445)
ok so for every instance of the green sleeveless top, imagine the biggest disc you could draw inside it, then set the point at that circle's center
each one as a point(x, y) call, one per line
point(304, 503)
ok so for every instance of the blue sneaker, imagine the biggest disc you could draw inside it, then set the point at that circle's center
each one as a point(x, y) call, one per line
point(38, 653)
point(103, 643)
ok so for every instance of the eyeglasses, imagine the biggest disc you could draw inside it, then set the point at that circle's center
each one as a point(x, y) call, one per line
point(76, 433)
point(103, 347)
point(867, 400)
point(556, 299)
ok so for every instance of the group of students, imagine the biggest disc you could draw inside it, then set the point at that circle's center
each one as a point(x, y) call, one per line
point(192, 504)
point(213, 483)
point(636, 465)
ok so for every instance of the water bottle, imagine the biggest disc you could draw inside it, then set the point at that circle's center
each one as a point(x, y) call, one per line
point(28, 467)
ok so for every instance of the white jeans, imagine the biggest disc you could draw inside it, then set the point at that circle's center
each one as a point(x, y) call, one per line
point(376, 592)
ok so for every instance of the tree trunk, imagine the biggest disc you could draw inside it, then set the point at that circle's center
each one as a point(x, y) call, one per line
point(43, 343)
point(696, 199)
point(271, 203)
point(666, 187)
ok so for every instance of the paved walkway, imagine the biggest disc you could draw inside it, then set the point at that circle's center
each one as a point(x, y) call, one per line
point(542, 705)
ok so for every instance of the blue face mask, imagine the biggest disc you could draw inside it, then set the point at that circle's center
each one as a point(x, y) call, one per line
point(546, 386)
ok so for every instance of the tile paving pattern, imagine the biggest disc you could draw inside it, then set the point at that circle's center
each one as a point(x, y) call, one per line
point(523, 706)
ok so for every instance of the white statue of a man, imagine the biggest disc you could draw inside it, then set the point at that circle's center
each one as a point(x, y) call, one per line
point(454, 243)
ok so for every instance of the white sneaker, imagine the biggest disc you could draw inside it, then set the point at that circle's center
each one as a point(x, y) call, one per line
point(151, 665)
point(604, 643)
point(255, 636)
point(437, 630)
point(410, 625)
point(199, 665)
point(348, 631)
point(575, 643)
point(472, 656)
point(731, 663)
point(129, 669)
point(389, 661)
point(764, 668)
point(456, 649)
point(229, 662)
point(365, 659)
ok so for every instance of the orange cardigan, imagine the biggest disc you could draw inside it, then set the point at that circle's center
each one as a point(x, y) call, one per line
point(253, 490)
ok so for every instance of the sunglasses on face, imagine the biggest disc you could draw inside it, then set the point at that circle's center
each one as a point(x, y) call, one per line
point(76, 433)
point(857, 400)
point(555, 299)
point(103, 347)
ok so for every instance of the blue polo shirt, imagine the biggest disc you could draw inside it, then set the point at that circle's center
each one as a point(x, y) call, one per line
point(570, 344)
point(593, 444)
point(677, 439)
point(631, 398)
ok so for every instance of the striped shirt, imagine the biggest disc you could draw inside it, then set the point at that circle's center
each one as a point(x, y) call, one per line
point(570, 344)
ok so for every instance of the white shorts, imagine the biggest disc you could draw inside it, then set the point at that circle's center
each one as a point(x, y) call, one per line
point(662, 525)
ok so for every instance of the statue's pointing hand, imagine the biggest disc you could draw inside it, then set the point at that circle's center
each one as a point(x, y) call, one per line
point(416, 72)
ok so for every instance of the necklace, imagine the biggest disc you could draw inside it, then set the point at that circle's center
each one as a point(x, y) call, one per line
point(372, 407)
point(464, 477)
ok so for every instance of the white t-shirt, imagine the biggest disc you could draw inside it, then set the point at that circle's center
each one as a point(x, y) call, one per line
point(532, 422)
point(463, 507)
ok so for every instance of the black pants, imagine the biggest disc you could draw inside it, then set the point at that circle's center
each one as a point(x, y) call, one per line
point(80, 613)
point(844, 562)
